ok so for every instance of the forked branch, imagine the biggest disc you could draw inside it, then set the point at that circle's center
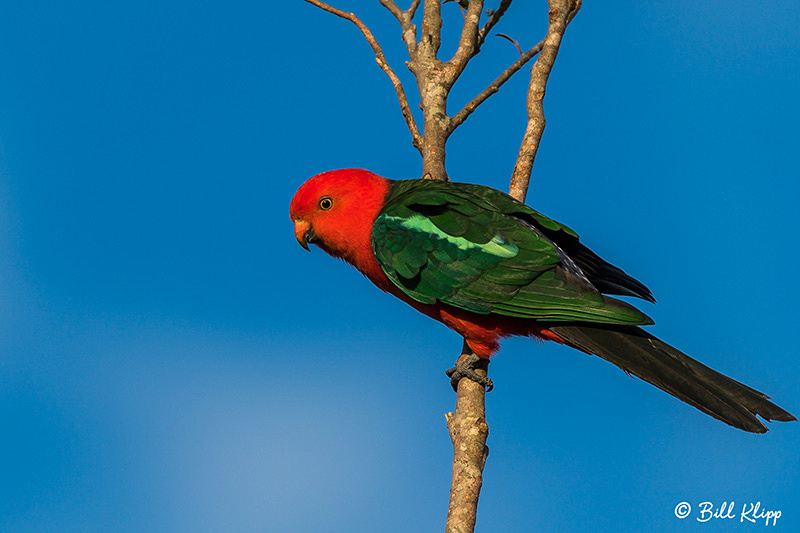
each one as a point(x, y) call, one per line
point(404, 18)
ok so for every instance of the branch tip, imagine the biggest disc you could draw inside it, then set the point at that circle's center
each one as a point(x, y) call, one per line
point(560, 15)
point(416, 137)
point(511, 40)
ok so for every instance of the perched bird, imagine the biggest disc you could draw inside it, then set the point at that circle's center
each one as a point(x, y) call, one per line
point(489, 267)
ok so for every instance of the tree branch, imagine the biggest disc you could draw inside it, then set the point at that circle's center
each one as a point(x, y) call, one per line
point(416, 138)
point(431, 28)
point(494, 18)
point(561, 13)
point(462, 115)
point(467, 44)
point(407, 27)
point(468, 431)
point(413, 9)
point(431, 82)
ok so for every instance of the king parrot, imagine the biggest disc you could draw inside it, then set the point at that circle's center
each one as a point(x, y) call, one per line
point(489, 267)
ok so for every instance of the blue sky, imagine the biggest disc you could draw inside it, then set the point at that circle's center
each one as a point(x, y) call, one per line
point(170, 359)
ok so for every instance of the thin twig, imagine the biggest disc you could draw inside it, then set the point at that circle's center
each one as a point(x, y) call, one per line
point(561, 13)
point(494, 18)
point(512, 41)
point(416, 137)
point(462, 115)
point(468, 431)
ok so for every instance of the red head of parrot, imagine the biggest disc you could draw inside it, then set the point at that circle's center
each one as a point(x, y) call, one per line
point(336, 210)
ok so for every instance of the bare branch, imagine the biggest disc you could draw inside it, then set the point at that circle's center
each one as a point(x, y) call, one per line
point(468, 431)
point(392, 7)
point(416, 138)
point(431, 28)
point(468, 44)
point(404, 18)
point(433, 90)
point(494, 18)
point(462, 115)
point(413, 9)
point(561, 13)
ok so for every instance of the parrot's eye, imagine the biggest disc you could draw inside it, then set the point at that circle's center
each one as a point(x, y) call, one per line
point(325, 203)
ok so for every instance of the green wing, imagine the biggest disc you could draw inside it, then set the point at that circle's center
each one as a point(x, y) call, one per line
point(478, 249)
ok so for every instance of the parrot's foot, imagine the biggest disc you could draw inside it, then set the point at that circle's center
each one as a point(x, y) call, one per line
point(467, 370)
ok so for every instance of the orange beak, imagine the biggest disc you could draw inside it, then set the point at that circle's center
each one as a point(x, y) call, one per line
point(304, 233)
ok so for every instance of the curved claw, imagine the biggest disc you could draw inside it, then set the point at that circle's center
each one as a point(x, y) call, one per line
point(467, 370)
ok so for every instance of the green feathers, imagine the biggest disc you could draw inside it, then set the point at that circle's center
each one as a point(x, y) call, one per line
point(478, 249)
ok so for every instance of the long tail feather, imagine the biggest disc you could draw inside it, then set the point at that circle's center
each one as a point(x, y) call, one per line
point(637, 352)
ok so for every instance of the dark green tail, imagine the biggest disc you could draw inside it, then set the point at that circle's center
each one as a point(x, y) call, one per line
point(637, 352)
